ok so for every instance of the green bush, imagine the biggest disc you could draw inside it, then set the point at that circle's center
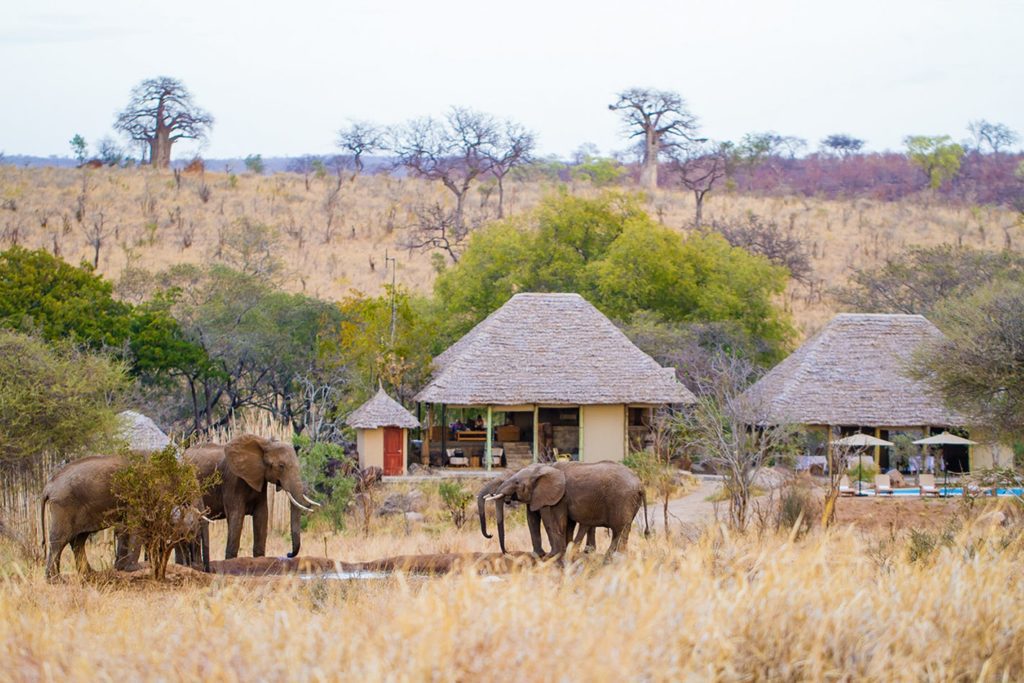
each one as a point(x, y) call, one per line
point(335, 493)
point(866, 472)
point(455, 499)
point(157, 503)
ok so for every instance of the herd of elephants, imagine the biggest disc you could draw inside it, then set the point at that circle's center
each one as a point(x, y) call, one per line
point(560, 496)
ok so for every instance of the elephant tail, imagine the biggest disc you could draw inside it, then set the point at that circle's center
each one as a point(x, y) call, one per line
point(643, 501)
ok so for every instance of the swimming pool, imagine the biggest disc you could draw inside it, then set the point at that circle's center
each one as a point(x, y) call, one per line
point(945, 492)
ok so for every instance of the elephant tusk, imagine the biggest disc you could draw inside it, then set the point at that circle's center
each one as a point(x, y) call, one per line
point(206, 519)
point(297, 503)
point(494, 496)
point(311, 501)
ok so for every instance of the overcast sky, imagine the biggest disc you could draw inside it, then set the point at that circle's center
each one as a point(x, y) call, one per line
point(281, 77)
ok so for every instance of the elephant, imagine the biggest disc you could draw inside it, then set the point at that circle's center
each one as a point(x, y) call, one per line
point(533, 518)
point(247, 464)
point(601, 494)
point(80, 500)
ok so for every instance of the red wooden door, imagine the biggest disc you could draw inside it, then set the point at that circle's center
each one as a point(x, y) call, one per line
point(393, 450)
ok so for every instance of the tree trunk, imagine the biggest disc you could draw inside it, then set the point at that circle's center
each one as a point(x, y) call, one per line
point(698, 219)
point(649, 168)
point(501, 196)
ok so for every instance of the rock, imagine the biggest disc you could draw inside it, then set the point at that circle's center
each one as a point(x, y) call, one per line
point(896, 479)
point(421, 470)
point(769, 478)
point(414, 517)
point(401, 503)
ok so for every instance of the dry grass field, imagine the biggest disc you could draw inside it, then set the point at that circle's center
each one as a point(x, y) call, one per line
point(840, 606)
point(333, 242)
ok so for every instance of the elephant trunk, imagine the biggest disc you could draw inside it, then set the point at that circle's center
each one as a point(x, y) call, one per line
point(480, 508)
point(499, 519)
point(296, 524)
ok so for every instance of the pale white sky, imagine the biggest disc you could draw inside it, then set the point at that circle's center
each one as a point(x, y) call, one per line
point(281, 78)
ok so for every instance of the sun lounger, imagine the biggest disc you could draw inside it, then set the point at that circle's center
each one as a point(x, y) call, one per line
point(844, 487)
point(882, 484)
point(928, 487)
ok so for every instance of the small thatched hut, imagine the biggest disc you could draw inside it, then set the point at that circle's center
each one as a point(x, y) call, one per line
point(141, 433)
point(559, 374)
point(853, 377)
point(382, 433)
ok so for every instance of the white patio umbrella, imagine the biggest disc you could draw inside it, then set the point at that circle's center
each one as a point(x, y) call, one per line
point(945, 439)
point(861, 440)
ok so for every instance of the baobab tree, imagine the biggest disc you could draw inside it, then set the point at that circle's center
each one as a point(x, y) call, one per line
point(159, 113)
point(660, 119)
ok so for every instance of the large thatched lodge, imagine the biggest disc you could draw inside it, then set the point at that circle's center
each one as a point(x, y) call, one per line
point(544, 374)
point(853, 377)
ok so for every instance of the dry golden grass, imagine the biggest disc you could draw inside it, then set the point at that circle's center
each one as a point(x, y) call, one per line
point(150, 219)
point(837, 606)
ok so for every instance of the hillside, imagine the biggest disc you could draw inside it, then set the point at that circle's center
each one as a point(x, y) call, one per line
point(332, 241)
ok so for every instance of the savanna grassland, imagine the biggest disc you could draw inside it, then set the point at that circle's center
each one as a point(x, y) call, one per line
point(842, 605)
point(332, 237)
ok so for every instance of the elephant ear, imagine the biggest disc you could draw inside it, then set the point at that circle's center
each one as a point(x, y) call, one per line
point(245, 459)
point(548, 488)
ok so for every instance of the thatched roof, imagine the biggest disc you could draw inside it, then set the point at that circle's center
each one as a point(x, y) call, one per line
point(853, 372)
point(141, 433)
point(381, 411)
point(553, 349)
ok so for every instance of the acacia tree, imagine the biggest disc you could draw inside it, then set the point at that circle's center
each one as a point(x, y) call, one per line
point(159, 113)
point(995, 136)
point(698, 168)
point(661, 120)
point(842, 144)
point(938, 156)
point(514, 145)
point(356, 140)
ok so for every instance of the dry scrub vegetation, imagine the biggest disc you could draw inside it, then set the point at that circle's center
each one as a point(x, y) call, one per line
point(835, 606)
point(332, 235)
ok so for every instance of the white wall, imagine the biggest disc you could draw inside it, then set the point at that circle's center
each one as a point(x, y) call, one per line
point(604, 432)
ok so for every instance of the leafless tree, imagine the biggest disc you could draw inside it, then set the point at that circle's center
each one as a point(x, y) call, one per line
point(96, 232)
point(357, 140)
point(307, 166)
point(698, 168)
point(436, 227)
point(661, 119)
point(766, 238)
point(159, 113)
point(731, 430)
point(454, 150)
point(996, 136)
point(514, 146)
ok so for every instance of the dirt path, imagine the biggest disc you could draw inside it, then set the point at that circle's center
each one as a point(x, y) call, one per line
point(691, 510)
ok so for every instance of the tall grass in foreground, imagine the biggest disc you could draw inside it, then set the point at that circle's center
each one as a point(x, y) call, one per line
point(837, 606)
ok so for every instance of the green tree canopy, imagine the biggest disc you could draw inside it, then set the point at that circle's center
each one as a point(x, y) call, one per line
point(610, 251)
point(64, 303)
point(979, 366)
point(938, 156)
point(56, 401)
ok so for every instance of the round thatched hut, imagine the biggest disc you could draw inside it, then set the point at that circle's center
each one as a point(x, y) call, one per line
point(382, 433)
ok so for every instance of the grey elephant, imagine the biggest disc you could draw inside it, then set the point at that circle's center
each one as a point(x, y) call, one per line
point(81, 502)
point(247, 464)
point(601, 494)
point(533, 517)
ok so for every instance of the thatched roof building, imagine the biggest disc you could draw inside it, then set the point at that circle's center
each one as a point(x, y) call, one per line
point(141, 433)
point(382, 411)
point(551, 349)
point(854, 372)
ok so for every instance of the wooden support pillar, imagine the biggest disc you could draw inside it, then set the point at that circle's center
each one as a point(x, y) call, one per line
point(425, 435)
point(490, 434)
point(536, 433)
point(444, 433)
point(580, 423)
point(878, 450)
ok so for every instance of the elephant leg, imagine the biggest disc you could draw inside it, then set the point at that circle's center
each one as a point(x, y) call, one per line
point(619, 536)
point(234, 535)
point(126, 552)
point(55, 547)
point(591, 540)
point(78, 548)
point(204, 545)
point(555, 524)
point(260, 524)
point(533, 521)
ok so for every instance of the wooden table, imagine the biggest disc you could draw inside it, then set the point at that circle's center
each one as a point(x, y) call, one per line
point(470, 435)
